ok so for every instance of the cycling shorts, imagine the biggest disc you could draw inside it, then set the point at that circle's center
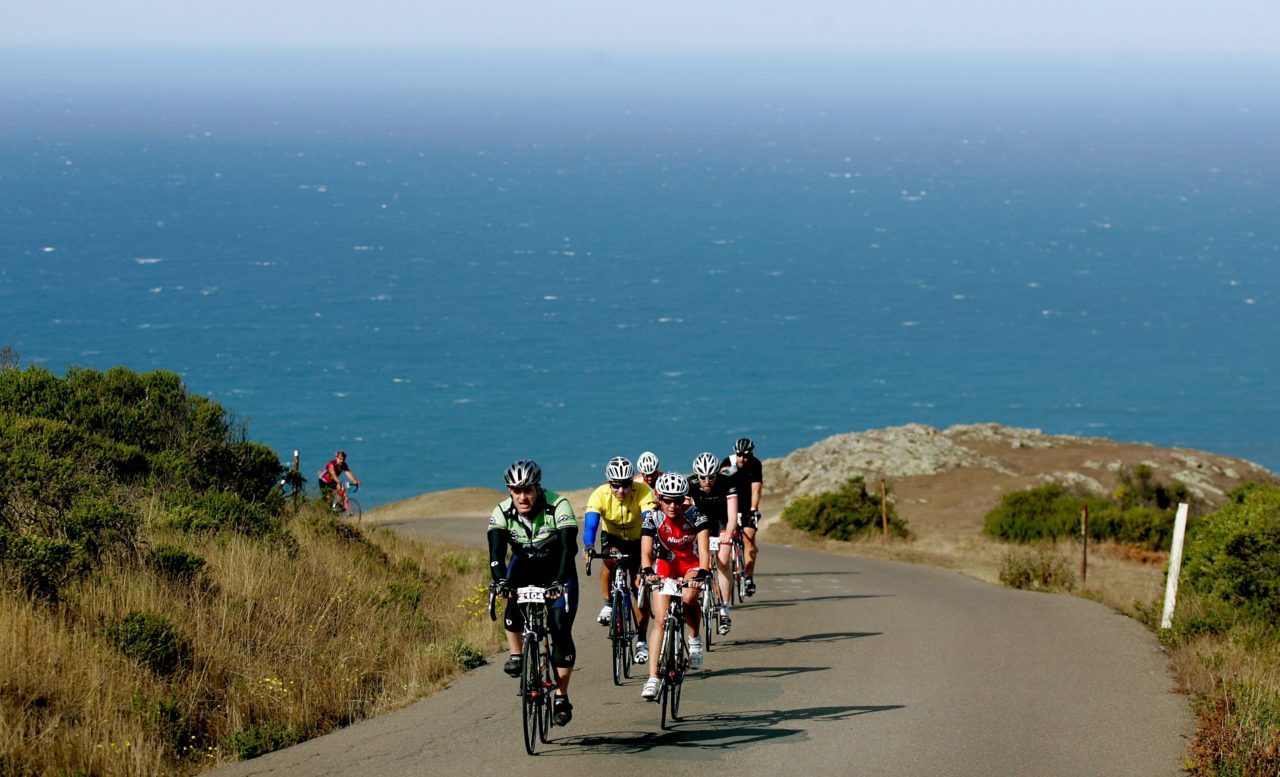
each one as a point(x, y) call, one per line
point(746, 521)
point(677, 567)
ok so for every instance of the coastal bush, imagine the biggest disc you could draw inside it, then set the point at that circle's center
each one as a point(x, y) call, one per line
point(261, 738)
point(151, 640)
point(1233, 555)
point(176, 563)
point(1050, 512)
point(1041, 570)
point(845, 514)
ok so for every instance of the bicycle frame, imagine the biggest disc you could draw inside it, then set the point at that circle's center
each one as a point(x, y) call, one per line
point(537, 677)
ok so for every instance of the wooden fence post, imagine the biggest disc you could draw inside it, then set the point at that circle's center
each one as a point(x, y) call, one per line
point(1084, 535)
point(884, 511)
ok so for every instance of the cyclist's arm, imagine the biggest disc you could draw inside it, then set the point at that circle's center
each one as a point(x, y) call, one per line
point(497, 553)
point(756, 488)
point(352, 477)
point(731, 505)
point(590, 523)
point(704, 549)
point(646, 551)
point(569, 543)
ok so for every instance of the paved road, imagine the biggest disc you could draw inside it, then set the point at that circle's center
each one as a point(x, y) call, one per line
point(840, 666)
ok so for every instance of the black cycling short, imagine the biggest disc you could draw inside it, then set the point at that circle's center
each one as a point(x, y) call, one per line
point(747, 521)
point(629, 547)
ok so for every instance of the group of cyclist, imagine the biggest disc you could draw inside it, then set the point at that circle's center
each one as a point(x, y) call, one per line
point(661, 525)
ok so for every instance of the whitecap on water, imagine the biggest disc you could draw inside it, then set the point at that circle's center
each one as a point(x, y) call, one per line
point(148, 260)
point(550, 297)
point(206, 291)
point(911, 323)
point(672, 374)
point(669, 320)
point(463, 401)
point(48, 249)
point(400, 380)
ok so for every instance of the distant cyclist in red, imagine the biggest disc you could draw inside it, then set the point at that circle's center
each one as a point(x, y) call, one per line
point(647, 469)
point(332, 473)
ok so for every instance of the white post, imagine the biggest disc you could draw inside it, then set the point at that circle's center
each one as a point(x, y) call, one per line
point(1175, 566)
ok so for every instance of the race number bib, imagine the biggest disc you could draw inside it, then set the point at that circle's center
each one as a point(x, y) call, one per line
point(531, 594)
point(715, 544)
point(670, 587)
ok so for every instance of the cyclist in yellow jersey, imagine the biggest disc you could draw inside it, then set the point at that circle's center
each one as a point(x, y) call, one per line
point(617, 509)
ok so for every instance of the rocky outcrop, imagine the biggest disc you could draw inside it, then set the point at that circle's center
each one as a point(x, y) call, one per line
point(1000, 457)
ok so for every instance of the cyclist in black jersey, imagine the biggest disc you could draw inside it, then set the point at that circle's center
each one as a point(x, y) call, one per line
point(539, 528)
point(748, 476)
point(717, 498)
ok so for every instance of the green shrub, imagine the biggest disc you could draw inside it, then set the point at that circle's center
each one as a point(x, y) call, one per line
point(467, 656)
point(1041, 570)
point(845, 514)
point(40, 566)
point(176, 563)
point(1049, 512)
point(261, 738)
point(1233, 555)
point(406, 596)
point(151, 640)
point(217, 511)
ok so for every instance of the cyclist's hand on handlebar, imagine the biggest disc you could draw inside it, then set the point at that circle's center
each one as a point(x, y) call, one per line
point(555, 591)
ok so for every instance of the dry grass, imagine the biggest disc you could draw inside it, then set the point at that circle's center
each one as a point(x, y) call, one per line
point(283, 647)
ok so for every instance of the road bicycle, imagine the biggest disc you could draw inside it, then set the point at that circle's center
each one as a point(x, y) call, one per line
point(673, 656)
point(711, 599)
point(623, 627)
point(537, 677)
point(343, 503)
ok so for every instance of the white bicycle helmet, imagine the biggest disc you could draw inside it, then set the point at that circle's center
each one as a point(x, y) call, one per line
point(525, 472)
point(706, 465)
point(618, 468)
point(744, 446)
point(672, 485)
point(647, 463)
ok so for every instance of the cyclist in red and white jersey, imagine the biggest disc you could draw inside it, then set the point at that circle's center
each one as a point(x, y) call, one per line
point(674, 543)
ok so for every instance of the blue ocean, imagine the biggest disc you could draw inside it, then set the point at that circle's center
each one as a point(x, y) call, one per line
point(444, 263)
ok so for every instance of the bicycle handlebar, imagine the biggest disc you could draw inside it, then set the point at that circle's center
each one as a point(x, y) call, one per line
point(593, 554)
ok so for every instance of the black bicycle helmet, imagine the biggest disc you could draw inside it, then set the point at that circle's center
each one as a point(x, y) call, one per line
point(743, 446)
point(525, 472)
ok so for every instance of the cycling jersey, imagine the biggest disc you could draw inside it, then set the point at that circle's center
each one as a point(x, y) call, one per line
point(338, 469)
point(742, 477)
point(621, 517)
point(542, 545)
point(714, 503)
point(677, 538)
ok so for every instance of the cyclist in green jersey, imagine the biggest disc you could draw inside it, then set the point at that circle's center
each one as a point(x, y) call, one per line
point(539, 528)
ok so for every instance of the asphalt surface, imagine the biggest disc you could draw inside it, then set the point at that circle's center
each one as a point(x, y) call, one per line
point(838, 666)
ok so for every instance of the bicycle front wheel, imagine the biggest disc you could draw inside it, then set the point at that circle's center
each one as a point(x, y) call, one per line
point(354, 510)
point(531, 697)
point(547, 718)
point(618, 636)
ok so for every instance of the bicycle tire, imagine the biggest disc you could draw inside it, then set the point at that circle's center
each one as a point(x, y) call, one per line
point(354, 510)
point(630, 633)
point(618, 636)
point(669, 672)
point(531, 687)
point(679, 685)
point(547, 717)
point(710, 613)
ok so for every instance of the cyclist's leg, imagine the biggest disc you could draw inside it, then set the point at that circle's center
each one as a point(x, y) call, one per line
point(749, 549)
point(660, 603)
point(724, 568)
point(560, 623)
point(692, 606)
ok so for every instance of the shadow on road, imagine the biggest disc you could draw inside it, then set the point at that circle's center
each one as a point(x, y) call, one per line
point(761, 671)
point(715, 731)
point(834, 636)
point(765, 604)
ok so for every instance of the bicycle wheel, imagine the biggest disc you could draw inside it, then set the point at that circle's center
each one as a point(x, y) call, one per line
point(682, 659)
point(354, 510)
point(531, 683)
point(548, 693)
point(629, 632)
point(710, 613)
point(668, 670)
point(618, 636)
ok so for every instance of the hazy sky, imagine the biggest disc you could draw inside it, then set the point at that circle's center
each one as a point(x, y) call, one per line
point(1116, 26)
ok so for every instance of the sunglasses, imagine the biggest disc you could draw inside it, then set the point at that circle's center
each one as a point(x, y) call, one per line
point(679, 500)
point(620, 486)
point(522, 489)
